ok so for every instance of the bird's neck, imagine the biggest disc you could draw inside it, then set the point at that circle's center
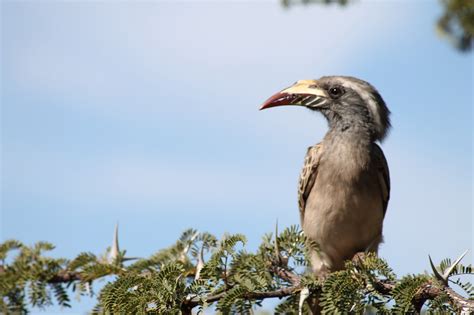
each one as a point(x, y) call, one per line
point(359, 135)
point(350, 143)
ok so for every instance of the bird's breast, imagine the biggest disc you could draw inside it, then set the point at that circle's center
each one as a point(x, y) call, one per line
point(344, 210)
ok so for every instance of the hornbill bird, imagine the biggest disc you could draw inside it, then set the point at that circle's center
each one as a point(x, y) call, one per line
point(344, 186)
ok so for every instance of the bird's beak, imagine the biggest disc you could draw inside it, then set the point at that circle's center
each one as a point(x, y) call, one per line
point(302, 93)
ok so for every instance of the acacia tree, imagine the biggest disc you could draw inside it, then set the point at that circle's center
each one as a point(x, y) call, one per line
point(199, 271)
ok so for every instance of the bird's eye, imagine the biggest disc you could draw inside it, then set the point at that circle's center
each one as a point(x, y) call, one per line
point(336, 91)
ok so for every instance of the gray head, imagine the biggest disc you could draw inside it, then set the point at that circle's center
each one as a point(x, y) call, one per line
point(344, 101)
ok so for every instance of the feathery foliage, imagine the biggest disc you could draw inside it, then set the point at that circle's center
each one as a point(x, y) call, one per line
point(199, 271)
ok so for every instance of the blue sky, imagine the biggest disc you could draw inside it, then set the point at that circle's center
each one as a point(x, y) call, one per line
point(146, 113)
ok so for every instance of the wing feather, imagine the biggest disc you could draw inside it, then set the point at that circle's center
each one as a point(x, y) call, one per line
point(308, 176)
point(384, 175)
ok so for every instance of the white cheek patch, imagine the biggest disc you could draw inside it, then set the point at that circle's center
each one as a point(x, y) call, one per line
point(369, 99)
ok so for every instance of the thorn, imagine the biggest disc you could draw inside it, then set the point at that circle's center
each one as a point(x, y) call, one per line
point(352, 308)
point(88, 288)
point(114, 249)
point(200, 263)
point(188, 246)
point(436, 272)
point(303, 296)
point(448, 271)
point(445, 276)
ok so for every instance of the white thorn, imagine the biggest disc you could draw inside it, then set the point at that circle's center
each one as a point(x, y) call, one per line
point(200, 263)
point(436, 272)
point(448, 271)
point(114, 249)
point(352, 308)
point(445, 276)
point(303, 296)
point(88, 288)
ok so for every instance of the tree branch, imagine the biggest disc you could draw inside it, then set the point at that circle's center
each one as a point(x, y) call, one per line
point(283, 292)
point(427, 291)
point(286, 275)
point(65, 276)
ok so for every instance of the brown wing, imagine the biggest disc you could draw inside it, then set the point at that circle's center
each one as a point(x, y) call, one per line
point(384, 175)
point(308, 176)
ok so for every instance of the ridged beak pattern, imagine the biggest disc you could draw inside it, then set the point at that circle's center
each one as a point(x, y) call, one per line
point(302, 93)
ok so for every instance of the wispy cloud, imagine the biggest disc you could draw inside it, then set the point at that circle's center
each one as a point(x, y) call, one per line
point(123, 59)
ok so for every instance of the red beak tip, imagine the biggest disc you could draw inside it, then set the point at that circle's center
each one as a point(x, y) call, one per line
point(273, 101)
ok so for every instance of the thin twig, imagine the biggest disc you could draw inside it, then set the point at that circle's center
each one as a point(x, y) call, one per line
point(283, 292)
